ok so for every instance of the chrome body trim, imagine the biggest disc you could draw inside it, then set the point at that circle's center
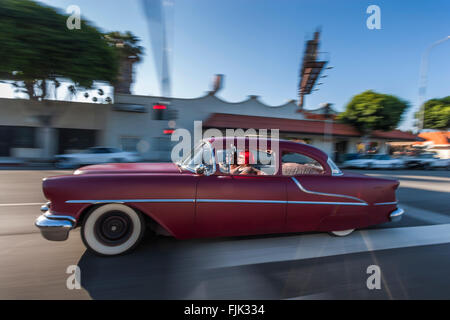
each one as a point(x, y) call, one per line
point(329, 203)
point(299, 185)
point(45, 207)
point(385, 204)
point(213, 201)
point(129, 201)
point(55, 227)
point(397, 215)
point(238, 201)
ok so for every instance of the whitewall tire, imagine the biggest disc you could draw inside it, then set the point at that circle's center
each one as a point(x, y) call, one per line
point(342, 233)
point(112, 229)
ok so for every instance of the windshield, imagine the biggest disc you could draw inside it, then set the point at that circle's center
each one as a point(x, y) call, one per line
point(202, 154)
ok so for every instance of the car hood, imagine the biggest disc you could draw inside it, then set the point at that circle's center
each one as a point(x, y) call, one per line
point(119, 168)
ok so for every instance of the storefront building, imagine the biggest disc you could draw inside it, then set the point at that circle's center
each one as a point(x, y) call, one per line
point(40, 130)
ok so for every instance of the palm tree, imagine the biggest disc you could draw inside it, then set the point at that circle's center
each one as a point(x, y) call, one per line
point(130, 52)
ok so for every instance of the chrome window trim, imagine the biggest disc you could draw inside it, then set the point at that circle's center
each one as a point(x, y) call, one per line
point(213, 156)
point(334, 172)
point(299, 185)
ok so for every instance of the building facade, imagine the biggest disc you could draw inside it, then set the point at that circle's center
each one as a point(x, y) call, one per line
point(33, 130)
point(39, 130)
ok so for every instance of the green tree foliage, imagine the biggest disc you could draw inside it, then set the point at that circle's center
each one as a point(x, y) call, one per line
point(36, 47)
point(127, 45)
point(437, 114)
point(370, 111)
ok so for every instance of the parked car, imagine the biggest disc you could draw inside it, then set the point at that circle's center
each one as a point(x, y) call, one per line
point(352, 156)
point(423, 160)
point(440, 163)
point(374, 161)
point(207, 195)
point(357, 161)
point(95, 155)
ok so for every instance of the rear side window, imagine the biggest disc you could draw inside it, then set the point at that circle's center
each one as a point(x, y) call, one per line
point(294, 164)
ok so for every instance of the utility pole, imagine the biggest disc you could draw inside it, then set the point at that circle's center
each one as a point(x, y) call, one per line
point(424, 82)
point(328, 130)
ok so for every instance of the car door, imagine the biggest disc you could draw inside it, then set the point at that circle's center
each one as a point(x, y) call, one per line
point(240, 205)
point(235, 204)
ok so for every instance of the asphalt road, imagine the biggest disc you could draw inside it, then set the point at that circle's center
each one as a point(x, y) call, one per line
point(413, 255)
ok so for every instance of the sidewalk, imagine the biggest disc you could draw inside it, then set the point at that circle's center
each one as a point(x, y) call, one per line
point(15, 164)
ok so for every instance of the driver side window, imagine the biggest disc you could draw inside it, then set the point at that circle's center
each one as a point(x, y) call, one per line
point(242, 162)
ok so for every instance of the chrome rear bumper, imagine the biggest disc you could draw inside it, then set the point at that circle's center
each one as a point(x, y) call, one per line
point(397, 215)
point(55, 227)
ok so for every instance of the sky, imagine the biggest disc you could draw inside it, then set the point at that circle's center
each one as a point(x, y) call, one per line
point(258, 46)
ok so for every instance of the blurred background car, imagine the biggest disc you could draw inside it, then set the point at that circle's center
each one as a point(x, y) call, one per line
point(376, 161)
point(423, 160)
point(356, 161)
point(440, 163)
point(351, 156)
point(95, 155)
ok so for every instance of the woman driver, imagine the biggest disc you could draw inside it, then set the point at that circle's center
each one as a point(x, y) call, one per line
point(243, 166)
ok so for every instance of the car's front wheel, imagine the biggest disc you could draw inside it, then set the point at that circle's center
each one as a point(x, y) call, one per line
point(112, 229)
point(342, 233)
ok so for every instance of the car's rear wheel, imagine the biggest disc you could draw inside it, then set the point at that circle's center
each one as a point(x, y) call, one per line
point(342, 233)
point(112, 229)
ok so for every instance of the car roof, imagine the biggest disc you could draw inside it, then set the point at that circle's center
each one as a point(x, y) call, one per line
point(283, 144)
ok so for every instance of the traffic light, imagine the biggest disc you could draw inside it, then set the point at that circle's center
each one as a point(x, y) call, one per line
point(158, 111)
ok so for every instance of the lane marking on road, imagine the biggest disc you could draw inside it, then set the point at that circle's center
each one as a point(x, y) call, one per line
point(424, 186)
point(20, 204)
point(426, 215)
point(295, 248)
point(426, 178)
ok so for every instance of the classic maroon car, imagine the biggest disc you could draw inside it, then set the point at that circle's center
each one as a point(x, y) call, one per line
point(221, 189)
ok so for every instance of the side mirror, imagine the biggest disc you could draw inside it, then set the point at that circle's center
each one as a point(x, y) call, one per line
point(200, 169)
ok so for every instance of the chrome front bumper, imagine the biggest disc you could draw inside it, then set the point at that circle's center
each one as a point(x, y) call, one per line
point(397, 215)
point(54, 227)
